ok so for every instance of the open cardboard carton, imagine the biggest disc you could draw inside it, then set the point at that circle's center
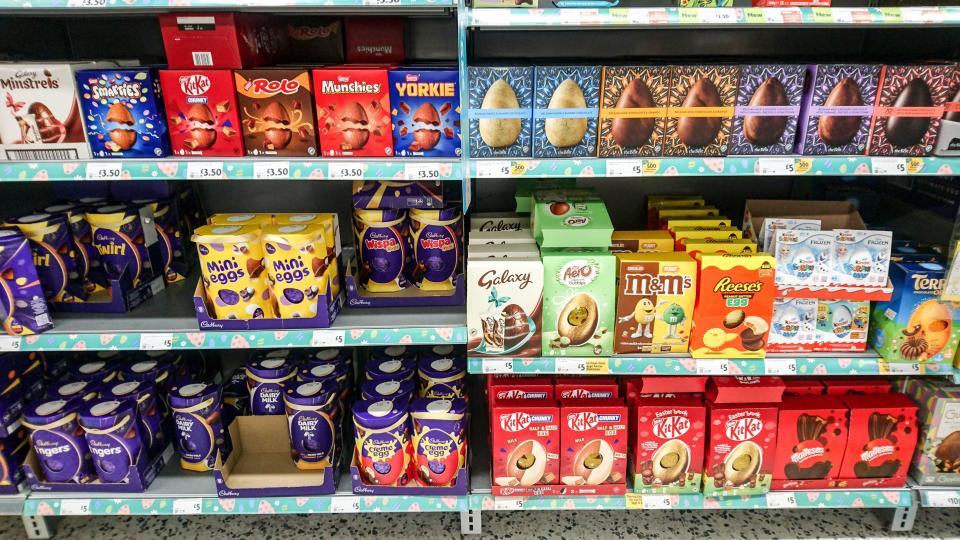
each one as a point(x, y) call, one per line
point(260, 464)
point(139, 479)
point(357, 296)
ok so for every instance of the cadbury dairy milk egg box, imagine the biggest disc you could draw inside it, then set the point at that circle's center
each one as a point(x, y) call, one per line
point(41, 118)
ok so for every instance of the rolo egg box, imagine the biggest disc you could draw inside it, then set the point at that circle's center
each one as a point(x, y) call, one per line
point(915, 325)
point(571, 218)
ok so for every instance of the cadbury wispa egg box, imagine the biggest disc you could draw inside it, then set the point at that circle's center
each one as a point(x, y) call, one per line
point(425, 107)
point(501, 100)
point(909, 107)
point(836, 110)
point(767, 109)
point(123, 112)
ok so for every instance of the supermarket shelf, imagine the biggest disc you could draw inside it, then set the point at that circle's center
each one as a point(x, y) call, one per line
point(234, 169)
point(856, 294)
point(168, 321)
point(728, 166)
point(712, 17)
point(176, 491)
point(12, 505)
point(866, 363)
point(148, 5)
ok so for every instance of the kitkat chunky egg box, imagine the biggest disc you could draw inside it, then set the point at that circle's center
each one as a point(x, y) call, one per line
point(123, 112)
point(734, 306)
point(202, 110)
point(425, 105)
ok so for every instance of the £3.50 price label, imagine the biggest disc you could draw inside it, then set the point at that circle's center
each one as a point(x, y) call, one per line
point(422, 171)
point(205, 170)
point(345, 171)
point(271, 170)
point(87, 3)
point(188, 506)
point(104, 171)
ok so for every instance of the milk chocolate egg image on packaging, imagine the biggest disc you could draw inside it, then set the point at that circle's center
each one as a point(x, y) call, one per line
point(203, 131)
point(500, 132)
point(903, 131)
point(670, 461)
point(278, 133)
point(742, 463)
point(766, 130)
point(426, 126)
point(565, 132)
point(578, 319)
point(51, 129)
point(700, 131)
point(634, 132)
point(594, 462)
point(355, 125)
point(526, 464)
point(123, 137)
point(840, 130)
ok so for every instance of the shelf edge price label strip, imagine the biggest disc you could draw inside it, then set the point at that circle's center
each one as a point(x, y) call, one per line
point(493, 169)
point(86, 3)
point(574, 366)
point(422, 171)
point(508, 503)
point(75, 507)
point(657, 502)
point(327, 338)
point(625, 167)
point(779, 366)
point(205, 170)
point(104, 171)
point(777, 499)
point(496, 365)
point(345, 171)
point(10, 343)
point(942, 498)
point(899, 368)
point(776, 166)
point(344, 505)
point(271, 170)
point(156, 342)
point(188, 506)
point(713, 367)
point(888, 166)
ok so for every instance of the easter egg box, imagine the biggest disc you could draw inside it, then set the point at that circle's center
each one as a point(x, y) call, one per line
point(328, 307)
point(141, 475)
point(358, 296)
point(260, 464)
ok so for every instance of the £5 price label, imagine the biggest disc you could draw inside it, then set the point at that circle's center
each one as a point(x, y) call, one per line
point(156, 342)
point(777, 499)
point(75, 507)
point(493, 169)
point(496, 365)
point(10, 343)
point(188, 506)
point(327, 338)
point(344, 505)
point(657, 502)
point(713, 367)
point(508, 503)
point(625, 167)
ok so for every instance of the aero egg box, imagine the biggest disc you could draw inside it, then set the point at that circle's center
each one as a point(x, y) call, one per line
point(501, 101)
point(565, 111)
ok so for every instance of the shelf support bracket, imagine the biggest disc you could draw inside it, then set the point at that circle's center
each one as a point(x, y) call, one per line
point(904, 516)
point(470, 522)
point(39, 527)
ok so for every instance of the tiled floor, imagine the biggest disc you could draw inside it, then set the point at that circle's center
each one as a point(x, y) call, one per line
point(584, 525)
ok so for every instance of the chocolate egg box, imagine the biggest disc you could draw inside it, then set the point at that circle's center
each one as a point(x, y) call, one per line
point(565, 109)
point(948, 140)
point(882, 437)
point(353, 112)
point(701, 108)
point(633, 110)
point(501, 111)
point(936, 460)
point(837, 109)
point(811, 441)
point(504, 306)
point(909, 108)
point(580, 302)
point(277, 112)
point(425, 107)
point(767, 109)
point(357, 295)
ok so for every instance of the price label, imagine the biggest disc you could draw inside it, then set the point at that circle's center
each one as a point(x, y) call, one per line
point(776, 166)
point(713, 367)
point(625, 167)
point(104, 171)
point(156, 342)
point(422, 171)
point(381, 2)
point(657, 502)
point(327, 338)
point(493, 169)
point(188, 506)
point(942, 498)
point(718, 16)
point(780, 366)
point(75, 507)
point(496, 365)
point(10, 343)
point(634, 501)
point(344, 505)
point(271, 170)
point(87, 3)
point(576, 366)
point(507, 503)
point(900, 368)
point(345, 171)
point(843, 16)
point(573, 17)
point(597, 366)
point(781, 500)
point(205, 170)
point(888, 166)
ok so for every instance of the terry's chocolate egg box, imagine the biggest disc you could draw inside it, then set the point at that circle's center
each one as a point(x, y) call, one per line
point(837, 108)
point(633, 110)
point(353, 112)
point(768, 105)
point(909, 107)
point(202, 110)
point(501, 100)
point(701, 107)
point(41, 118)
point(123, 112)
point(276, 112)
point(425, 107)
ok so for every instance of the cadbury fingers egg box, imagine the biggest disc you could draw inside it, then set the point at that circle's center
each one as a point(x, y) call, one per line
point(425, 106)
point(768, 105)
point(500, 111)
point(565, 108)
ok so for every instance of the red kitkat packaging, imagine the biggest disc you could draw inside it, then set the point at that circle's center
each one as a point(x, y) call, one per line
point(525, 438)
point(593, 443)
point(374, 40)
point(521, 389)
point(566, 388)
point(812, 436)
point(202, 112)
point(353, 110)
point(882, 436)
point(840, 386)
point(802, 386)
point(220, 40)
point(672, 385)
point(740, 450)
point(666, 445)
point(745, 389)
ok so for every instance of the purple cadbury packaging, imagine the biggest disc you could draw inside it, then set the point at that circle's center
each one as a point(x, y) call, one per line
point(266, 375)
point(383, 446)
point(439, 445)
point(149, 413)
point(112, 433)
point(388, 389)
point(768, 104)
point(198, 422)
point(312, 418)
point(54, 255)
point(58, 440)
point(837, 107)
point(23, 303)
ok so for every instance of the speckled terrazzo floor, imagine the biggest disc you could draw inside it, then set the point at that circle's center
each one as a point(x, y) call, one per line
point(507, 526)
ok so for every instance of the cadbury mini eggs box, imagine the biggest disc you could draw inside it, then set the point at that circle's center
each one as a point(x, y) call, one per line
point(123, 113)
point(425, 106)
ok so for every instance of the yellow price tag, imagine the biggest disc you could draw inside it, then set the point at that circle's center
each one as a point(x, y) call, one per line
point(634, 501)
point(914, 165)
point(651, 166)
point(803, 165)
point(518, 168)
point(598, 366)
